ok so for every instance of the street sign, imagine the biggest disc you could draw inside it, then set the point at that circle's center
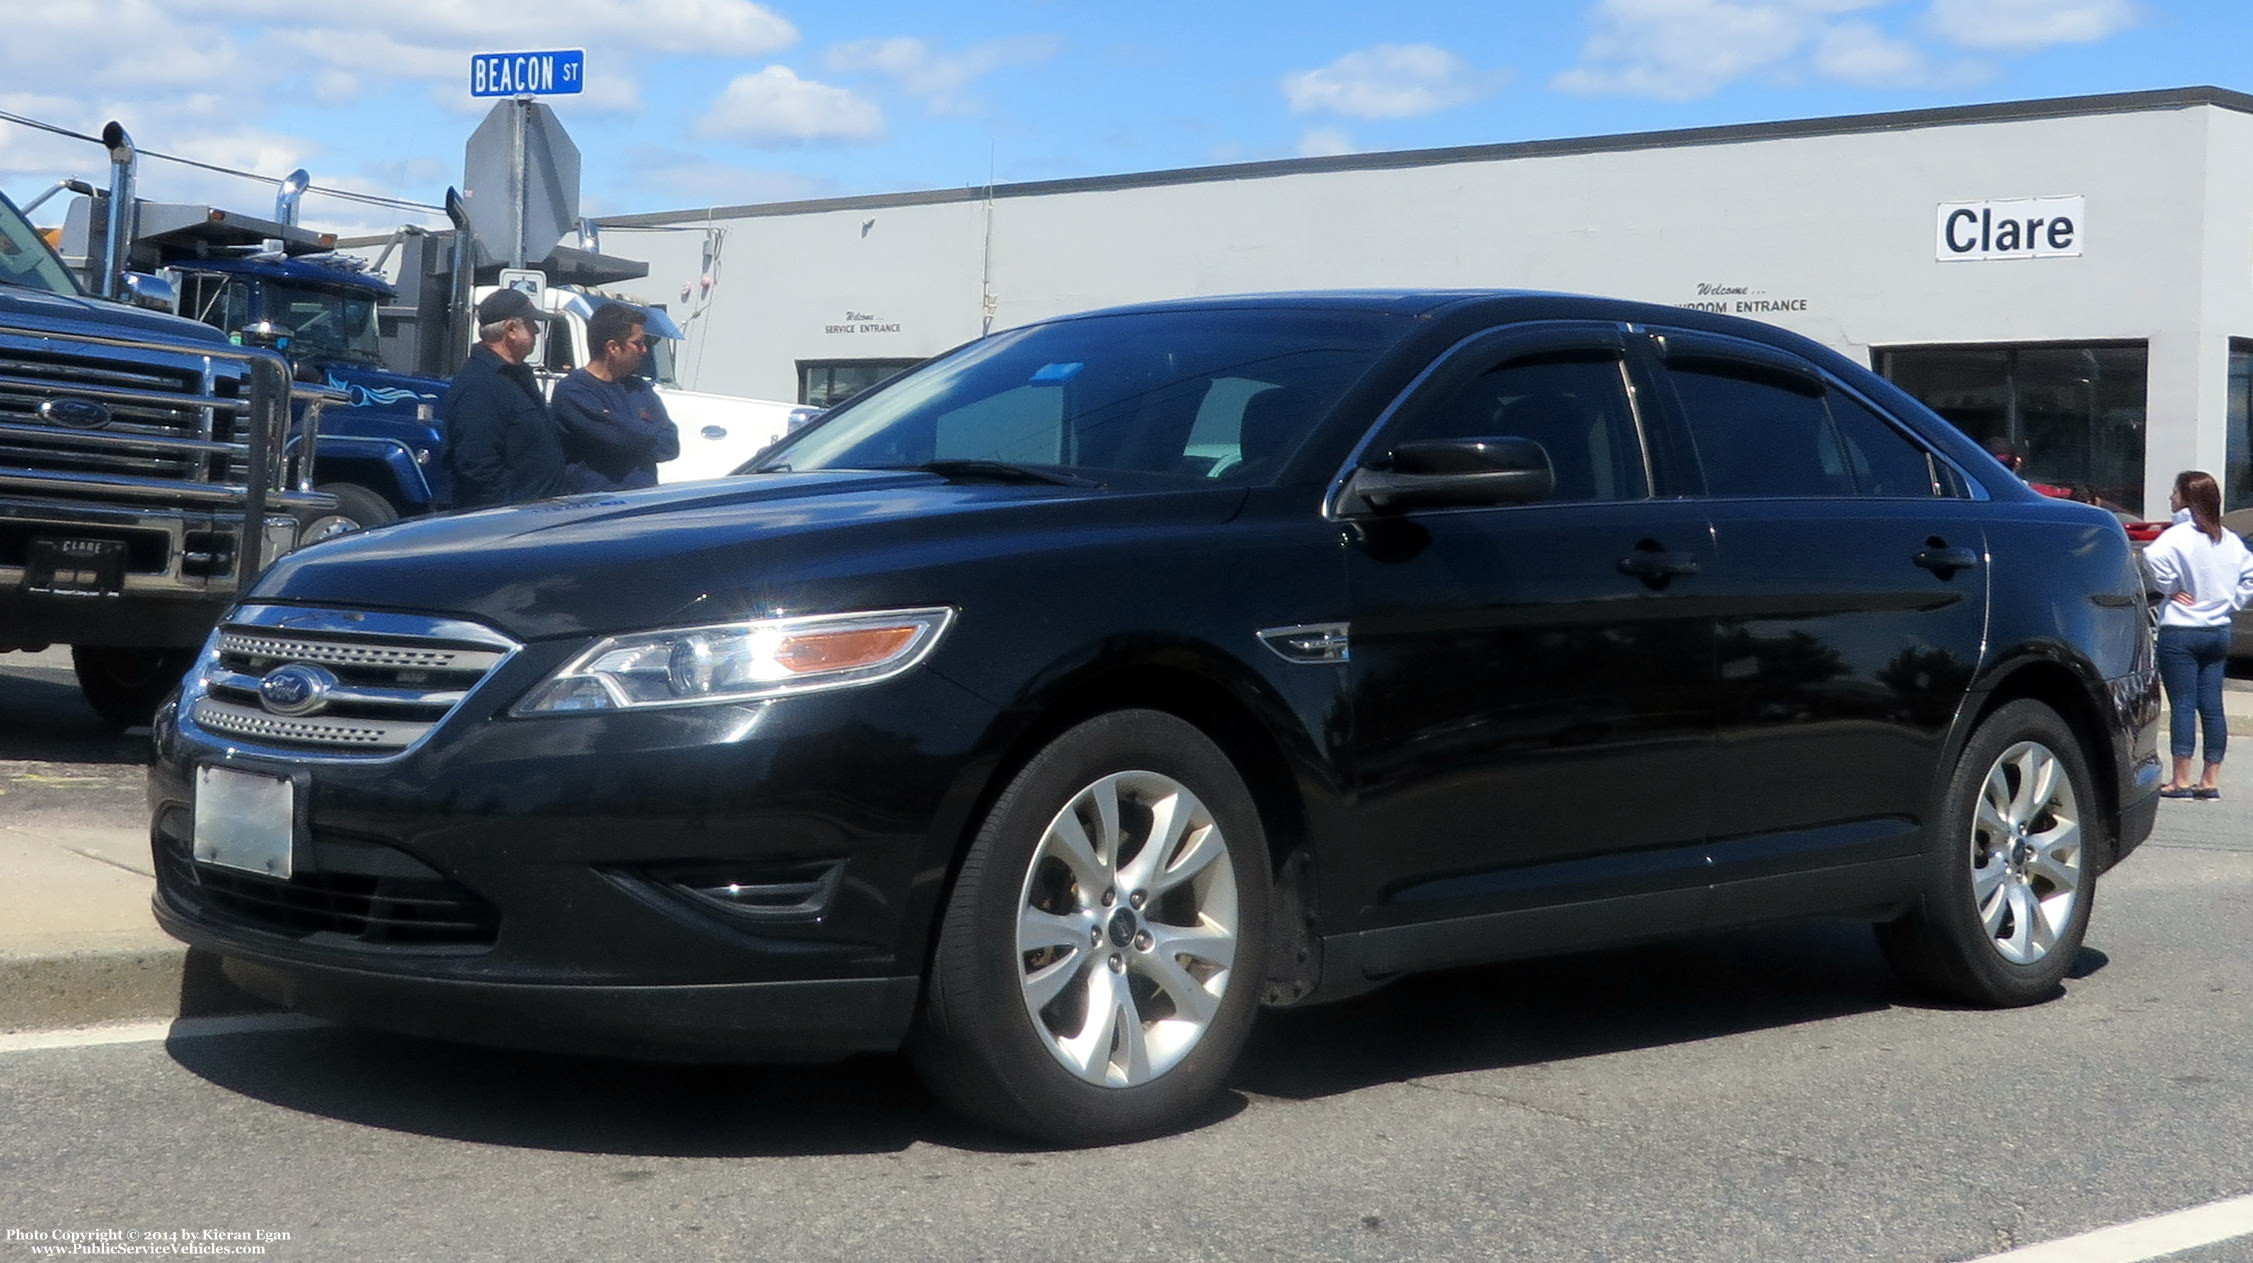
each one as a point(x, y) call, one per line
point(557, 73)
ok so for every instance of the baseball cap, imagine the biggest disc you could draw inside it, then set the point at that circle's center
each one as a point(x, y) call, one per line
point(509, 304)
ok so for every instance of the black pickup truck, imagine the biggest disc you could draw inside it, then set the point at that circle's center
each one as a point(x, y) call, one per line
point(142, 477)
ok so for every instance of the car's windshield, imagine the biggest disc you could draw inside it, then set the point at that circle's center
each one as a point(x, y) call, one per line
point(1223, 394)
point(326, 324)
point(25, 259)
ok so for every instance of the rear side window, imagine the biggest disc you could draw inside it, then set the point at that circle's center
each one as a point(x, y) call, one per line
point(1574, 405)
point(1762, 431)
point(1759, 433)
point(1884, 461)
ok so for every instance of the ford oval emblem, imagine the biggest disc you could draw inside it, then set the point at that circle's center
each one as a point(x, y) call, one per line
point(78, 414)
point(296, 689)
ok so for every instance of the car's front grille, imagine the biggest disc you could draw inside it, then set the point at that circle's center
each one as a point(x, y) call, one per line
point(404, 911)
point(363, 684)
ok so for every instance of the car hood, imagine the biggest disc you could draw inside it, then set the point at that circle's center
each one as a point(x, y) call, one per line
point(703, 552)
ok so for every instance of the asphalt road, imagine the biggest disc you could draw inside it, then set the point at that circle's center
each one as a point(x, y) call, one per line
point(1769, 1095)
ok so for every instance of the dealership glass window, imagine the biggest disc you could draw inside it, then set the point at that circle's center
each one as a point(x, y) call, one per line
point(2237, 476)
point(827, 383)
point(2073, 413)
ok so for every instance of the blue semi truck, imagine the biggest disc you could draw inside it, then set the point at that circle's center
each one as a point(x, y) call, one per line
point(379, 449)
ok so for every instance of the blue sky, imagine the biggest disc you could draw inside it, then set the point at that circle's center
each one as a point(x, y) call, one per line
point(718, 102)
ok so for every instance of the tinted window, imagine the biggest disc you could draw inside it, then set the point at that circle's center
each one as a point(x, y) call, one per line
point(1884, 461)
point(1574, 406)
point(1215, 394)
point(1759, 434)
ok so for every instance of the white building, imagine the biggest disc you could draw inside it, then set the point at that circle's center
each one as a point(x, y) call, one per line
point(2048, 273)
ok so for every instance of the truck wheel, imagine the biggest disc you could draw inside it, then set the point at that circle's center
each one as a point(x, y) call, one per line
point(125, 684)
point(357, 508)
point(1101, 957)
point(2013, 867)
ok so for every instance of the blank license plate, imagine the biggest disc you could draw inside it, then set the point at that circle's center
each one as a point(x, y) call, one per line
point(76, 567)
point(245, 821)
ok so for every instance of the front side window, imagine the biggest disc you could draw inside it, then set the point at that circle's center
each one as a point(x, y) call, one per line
point(1211, 395)
point(1574, 404)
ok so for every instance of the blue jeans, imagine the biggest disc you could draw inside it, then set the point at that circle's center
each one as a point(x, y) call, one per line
point(2190, 665)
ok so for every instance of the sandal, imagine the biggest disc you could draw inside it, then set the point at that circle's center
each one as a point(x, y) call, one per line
point(2204, 794)
point(2177, 791)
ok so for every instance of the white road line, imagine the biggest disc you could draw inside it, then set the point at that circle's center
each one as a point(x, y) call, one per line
point(157, 1032)
point(2151, 1238)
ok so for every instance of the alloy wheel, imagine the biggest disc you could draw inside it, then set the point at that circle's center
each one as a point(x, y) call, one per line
point(2026, 853)
point(1127, 928)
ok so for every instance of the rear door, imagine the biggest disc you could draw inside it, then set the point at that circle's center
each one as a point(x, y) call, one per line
point(1850, 588)
point(1532, 686)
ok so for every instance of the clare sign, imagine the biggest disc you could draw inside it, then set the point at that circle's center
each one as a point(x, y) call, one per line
point(528, 74)
point(2010, 228)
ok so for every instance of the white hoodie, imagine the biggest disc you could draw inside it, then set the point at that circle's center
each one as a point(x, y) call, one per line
point(2218, 575)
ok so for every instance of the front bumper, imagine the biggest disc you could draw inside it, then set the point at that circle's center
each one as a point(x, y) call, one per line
point(716, 1022)
point(551, 882)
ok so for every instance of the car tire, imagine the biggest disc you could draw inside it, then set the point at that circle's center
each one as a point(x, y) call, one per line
point(2019, 837)
point(357, 508)
point(1089, 986)
point(125, 684)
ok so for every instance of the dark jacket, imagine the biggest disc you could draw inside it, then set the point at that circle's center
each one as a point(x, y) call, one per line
point(502, 446)
point(615, 434)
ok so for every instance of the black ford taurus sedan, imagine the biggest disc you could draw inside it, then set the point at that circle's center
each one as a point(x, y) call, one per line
point(1051, 708)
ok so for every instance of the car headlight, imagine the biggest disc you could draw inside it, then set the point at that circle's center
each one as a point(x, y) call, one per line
point(736, 662)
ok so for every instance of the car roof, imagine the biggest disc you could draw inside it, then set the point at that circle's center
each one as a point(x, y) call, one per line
point(1492, 305)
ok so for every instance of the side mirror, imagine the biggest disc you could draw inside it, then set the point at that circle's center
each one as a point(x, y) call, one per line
point(265, 335)
point(1454, 473)
point(152, 292)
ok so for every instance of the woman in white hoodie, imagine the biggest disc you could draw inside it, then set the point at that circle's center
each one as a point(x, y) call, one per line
point(2206, 574)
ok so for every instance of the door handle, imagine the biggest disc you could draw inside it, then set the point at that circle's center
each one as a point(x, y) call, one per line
point(1945, 561)
point(1655, 565)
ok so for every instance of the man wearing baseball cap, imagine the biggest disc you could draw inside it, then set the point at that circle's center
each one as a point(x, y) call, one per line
point(502, 445)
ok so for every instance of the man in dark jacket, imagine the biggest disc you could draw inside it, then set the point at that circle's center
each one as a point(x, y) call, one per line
point(502, 446)
point(615, 431)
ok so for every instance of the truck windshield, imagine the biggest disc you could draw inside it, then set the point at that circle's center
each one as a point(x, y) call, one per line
point(659, 366)
point(25, 259)
point(326, 324)
point(1219, 394)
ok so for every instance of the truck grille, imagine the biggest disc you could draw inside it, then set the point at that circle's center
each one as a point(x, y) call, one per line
point(338, 682)
point(80, 409)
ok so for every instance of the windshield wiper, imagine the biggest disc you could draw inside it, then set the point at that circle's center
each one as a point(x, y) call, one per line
point(1002, 471)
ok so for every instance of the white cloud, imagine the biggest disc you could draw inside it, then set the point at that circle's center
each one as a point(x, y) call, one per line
point(2017, 26)
point(1387, 81)
point(708, 28)
point(1677, 50)
point(776, 107)
point(1326, 142)
point(1861, 54)
point(938, 77)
